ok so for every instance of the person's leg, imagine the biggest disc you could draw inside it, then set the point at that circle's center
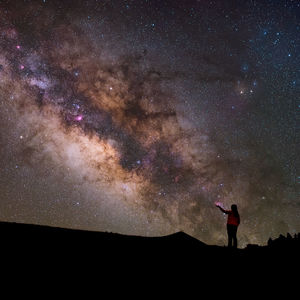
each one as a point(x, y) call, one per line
point(229, 233)
point(234, 231)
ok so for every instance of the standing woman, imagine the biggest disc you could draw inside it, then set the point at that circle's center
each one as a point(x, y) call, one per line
point(233, 221)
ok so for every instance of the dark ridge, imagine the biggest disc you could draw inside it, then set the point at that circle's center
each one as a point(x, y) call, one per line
point(51, 246)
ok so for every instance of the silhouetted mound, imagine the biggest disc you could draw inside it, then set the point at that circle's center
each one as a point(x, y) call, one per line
point(47, 245)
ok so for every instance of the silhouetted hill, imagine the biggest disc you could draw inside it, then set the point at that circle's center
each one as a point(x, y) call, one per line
point(47, 246)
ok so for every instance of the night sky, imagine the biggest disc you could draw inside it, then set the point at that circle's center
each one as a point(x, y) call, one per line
point(137, 116)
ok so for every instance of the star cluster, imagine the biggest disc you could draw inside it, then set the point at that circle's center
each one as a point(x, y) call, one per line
point(137, 116)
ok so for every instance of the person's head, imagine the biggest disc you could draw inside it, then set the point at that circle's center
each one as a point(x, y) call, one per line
point(234, 209)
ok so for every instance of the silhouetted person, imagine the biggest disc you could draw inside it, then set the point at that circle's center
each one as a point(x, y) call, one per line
point(233, 221)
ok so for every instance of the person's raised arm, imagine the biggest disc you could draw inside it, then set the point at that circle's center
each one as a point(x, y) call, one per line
point(222, 209)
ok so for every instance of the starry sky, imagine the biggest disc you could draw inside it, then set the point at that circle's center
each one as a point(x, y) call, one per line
point(137, 116)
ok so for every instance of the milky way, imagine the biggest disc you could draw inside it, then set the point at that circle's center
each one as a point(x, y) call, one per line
point(137, 116)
